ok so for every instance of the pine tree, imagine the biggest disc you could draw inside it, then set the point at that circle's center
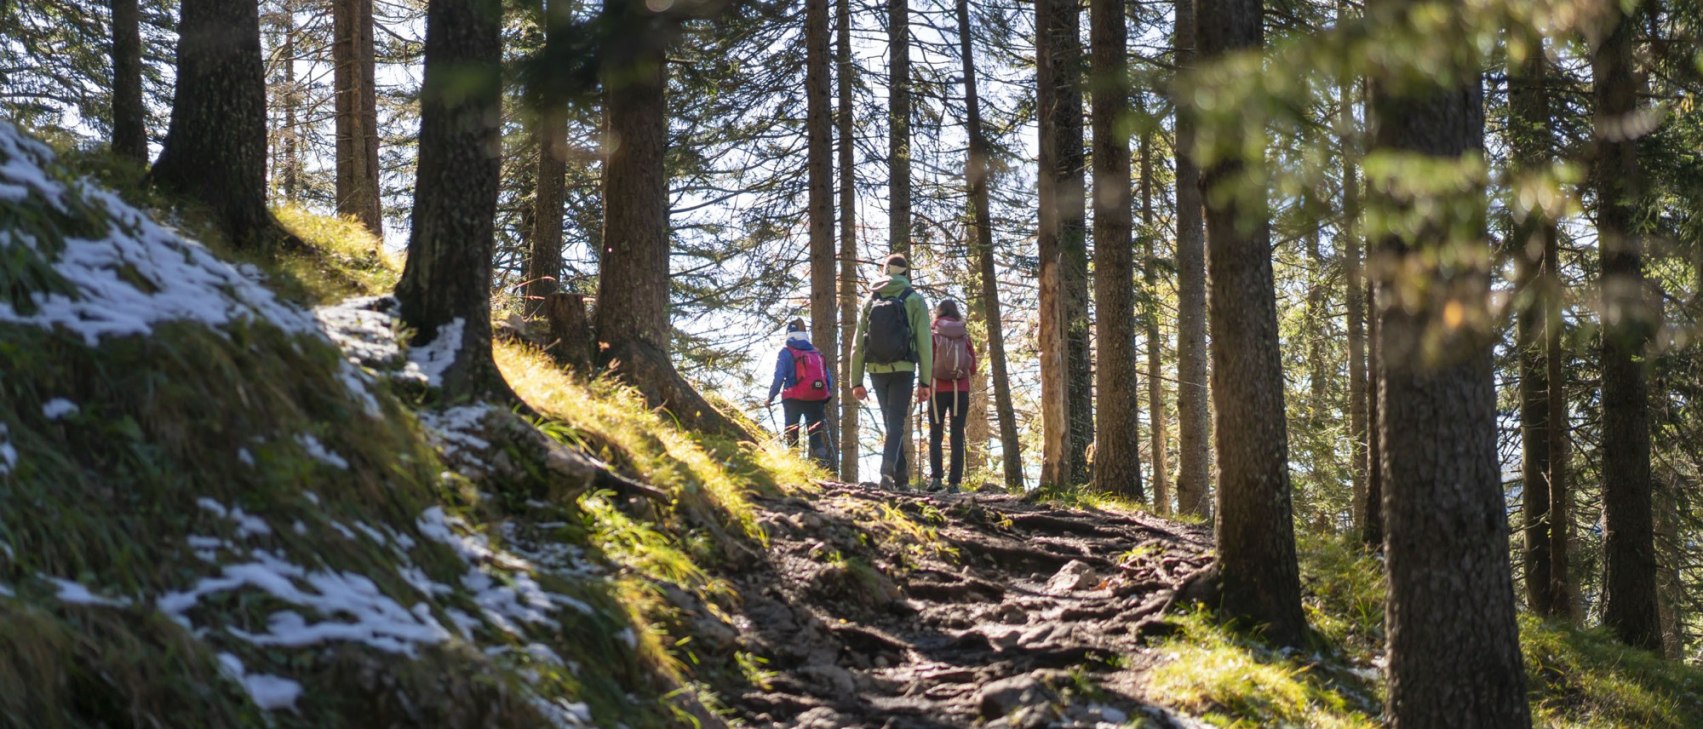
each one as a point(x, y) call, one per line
point(357, 113)
point(1255, 526)
point(819, 130)
point(129, 114)
point(850, 448)
point(1117, 453)
point(1061, 241)
point(445, 289)
point(1155, 343)
point(1194, 494)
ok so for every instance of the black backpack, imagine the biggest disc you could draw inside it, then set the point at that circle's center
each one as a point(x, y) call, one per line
point(888, 340)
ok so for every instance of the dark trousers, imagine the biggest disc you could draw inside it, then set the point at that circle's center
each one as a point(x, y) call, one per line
point(811, 412)
point(955, 405)
point(893, 393)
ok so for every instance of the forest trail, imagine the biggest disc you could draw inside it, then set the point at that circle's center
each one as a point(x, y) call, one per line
point(968, 610)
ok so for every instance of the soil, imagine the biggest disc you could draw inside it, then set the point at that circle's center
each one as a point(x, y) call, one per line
point(978, 610)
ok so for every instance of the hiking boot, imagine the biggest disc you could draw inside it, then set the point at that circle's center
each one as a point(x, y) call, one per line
point(951, 488)
point(887, 483)
point(934, 484)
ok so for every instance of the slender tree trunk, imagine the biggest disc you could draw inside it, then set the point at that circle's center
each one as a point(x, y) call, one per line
point(1155, 343)
point(445, 289)
point(129, 128)
point(1055, 402)
point(899, 129)
point(1073, 238)
point(1372, 518)
point(1629, 564)
point(1560, 445)
point(633, 286)
point(292, 166)
point(819, 129)
point(544, 257)
point(356, 94)
point(215, 148)
point(976, 162)
point(1355, 296)
point(1194, 490)
point(850, 448)
point(1255, 523)
point(1453, 644)
point(1536, 287)
point(1670, 584)
point(1117, 453)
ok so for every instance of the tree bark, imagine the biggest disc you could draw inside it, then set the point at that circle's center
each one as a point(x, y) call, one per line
point(1117, 452)
point(1538, 318)
point(820, 163)
point(355, 82)
point(292, 164)
point(446, 284)
point(544, 254)
point(850, 448)
point(1255, 524)
point(1453, 644)
point(899, 127)
point(129, 114)
point(976, 163)
point(215, 149)
point(571, 335)
point(1155, 343)
point(1372, 516)
point(1060, 237)
point(1194, 489)
point(633, 329)
point(1355, 297)
point(1629, 560)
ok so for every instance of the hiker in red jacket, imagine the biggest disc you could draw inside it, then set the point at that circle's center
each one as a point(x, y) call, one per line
point(954, 362)
point(805, 385)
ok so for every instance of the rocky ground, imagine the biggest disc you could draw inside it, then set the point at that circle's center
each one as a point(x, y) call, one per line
point(907, 610)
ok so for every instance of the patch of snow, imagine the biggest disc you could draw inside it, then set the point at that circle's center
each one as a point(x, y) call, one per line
point(207, 504)
point(453, 430)
point(356, 381)
point(354, 608)
point(247, 525)
point(138, 274)
point(8, 454)
point(343, 530)
point(319, 452)
point(563, 713)
point(365, 329)
point(299, 528)
point(312, 497)
point(246, 457)
point(463, 622)
point(268, 692)
point(7, 592)
point(59, 408)
point(197, 541)
point(434, 358)
point(521, 600)
point(373, 534)
point(77, 593)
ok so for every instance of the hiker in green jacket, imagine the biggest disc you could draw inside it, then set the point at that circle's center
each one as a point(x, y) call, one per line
point(893, 343)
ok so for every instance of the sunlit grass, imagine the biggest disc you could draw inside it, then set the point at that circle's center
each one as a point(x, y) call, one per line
point(1584, 678)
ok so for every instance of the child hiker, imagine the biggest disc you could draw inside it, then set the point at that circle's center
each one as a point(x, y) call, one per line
point(804, 384)
point(893, 343)
point(954, 363)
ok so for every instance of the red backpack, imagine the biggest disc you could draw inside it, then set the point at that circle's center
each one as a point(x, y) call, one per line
point(810, 377)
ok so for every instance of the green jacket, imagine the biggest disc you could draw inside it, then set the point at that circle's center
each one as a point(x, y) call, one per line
point(924, 338)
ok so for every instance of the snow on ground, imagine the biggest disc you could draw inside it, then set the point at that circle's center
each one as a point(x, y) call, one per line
point(433, 359)
point(76, 593)
point(319, 452)
point(269, 692)
point(8, 453)
point(137, 275)
point(457, 428)
point(58, 409)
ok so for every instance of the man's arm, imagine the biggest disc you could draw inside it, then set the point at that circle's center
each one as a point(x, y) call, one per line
point(783, 365)
point(857, 346)
point(924, 336)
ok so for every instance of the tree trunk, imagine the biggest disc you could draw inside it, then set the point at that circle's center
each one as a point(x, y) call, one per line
point(1155, 343)
point(215, 149)
point(1355, 297)
point(356, 82)
point(544, 254)
point(1372, 516)
point(633, 329)
point(899, 127)
point(1194, 484)
point(1629, 560)
point(976, 162)
point(1536, 288)
point(129, 113)
point(1051, 80)
point(1117, 453)
point(1560, 445)
point(1255, 524)
point(1670, 583)
point(1453, 644)
point(291, 171)
point(446, 284)
point(572, 338)
point(850, 448)
point(819, 129)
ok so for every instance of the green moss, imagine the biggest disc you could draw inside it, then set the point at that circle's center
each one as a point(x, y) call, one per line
point(1584, 678)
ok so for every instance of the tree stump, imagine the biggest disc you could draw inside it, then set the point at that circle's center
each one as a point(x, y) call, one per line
point(571, 339)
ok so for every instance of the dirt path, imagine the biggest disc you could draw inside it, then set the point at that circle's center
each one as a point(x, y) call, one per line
point(972, 610)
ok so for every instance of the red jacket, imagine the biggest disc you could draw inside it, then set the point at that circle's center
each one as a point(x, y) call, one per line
point(962, 385)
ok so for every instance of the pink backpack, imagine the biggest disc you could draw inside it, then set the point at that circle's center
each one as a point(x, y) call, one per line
point(952, 359)
point(810, 377)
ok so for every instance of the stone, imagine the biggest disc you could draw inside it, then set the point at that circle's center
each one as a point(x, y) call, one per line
point(1073, 576)
point(829, 681)
point(1005, 696)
